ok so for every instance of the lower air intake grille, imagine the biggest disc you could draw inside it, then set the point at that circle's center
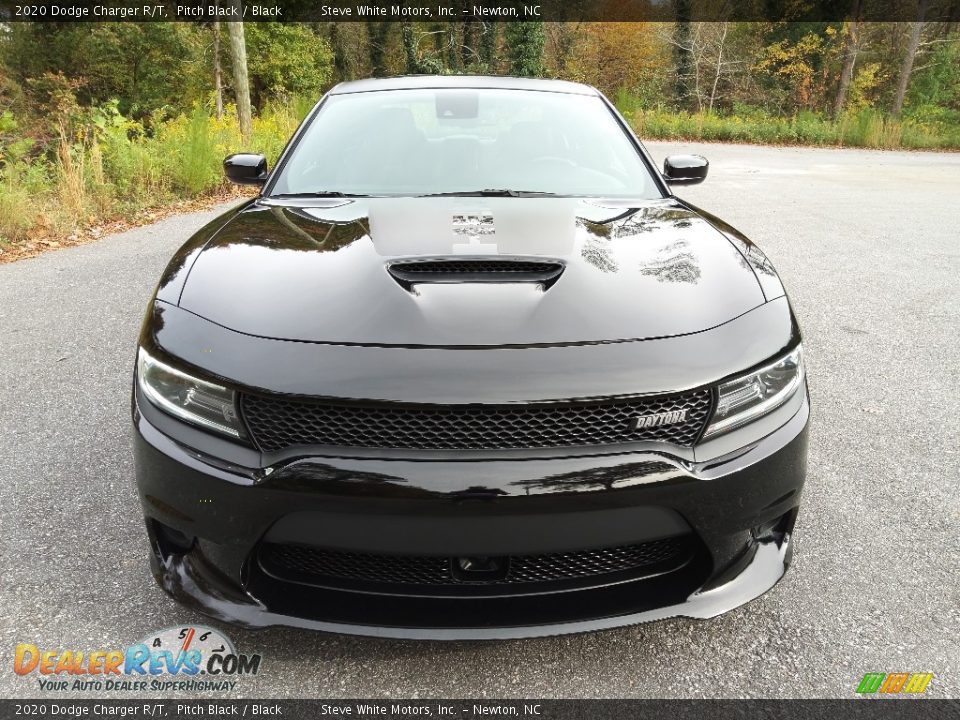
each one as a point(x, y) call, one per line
point(304, 563)
point(277, 423)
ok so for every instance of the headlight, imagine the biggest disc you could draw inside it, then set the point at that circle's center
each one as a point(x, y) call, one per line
point(188, 398)
point(745, 399)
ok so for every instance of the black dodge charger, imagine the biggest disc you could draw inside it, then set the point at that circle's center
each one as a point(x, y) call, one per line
point(466, 368)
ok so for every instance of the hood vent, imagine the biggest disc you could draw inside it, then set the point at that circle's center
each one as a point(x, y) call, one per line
point(476, 270)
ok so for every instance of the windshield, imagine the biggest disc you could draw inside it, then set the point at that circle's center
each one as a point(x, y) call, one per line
point(423, 142)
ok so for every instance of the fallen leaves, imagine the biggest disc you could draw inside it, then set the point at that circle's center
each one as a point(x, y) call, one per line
point(43, 238)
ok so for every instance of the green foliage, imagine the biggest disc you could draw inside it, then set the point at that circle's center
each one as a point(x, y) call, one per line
point(865, 87)
point(488, 44)
point(18, 179)
point(416, 61)
point(525, 41)
point(7, 123)
point(105, 164)
point(865, 128)
point(791, 70)
point(938, 83)
point(166, 67)
point(195, 168)
point(286, 60)
point(144, 65)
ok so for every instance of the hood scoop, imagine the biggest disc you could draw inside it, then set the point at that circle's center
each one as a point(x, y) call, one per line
point(475, 270)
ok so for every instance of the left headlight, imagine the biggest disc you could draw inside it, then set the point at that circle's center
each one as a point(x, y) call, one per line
point(197, 401)
point(747, 398)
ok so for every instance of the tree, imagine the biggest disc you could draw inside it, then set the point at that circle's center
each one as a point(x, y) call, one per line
point(561, 40)
point(347, 42)
point(241, 83)
point(617, 56)
point(702, 61)
point(468, 53)
point(851, 47)
point(906, 69)
point(377, 35)
point(792, 73)
point(937, 82)
point(488, 45)
point(144, 66)
point(410, 55)
point(682, 55)
point(453, 44)
point(286, 59)
point(415, 61)
point(217, 74)
point(718, 62)
point(525, 41)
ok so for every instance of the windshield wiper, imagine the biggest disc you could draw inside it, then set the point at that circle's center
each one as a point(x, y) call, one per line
point(318, 194)
point(491, 192)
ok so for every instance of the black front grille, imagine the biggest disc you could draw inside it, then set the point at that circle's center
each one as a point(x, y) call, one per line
point(277, 423)
point(334, 567)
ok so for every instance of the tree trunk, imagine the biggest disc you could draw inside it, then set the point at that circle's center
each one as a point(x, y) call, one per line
point(217, 72)
point(340, 63)
point(696, 55)
point(453, 47)
point(241, 81)
point(718, 67)
point(851, 46)
point(525, 42)
point(377, 33)
point(906, 69)
point(565, 36)
point(468, 52)
point(682, 54)
point(488, 46)
point(409, 49)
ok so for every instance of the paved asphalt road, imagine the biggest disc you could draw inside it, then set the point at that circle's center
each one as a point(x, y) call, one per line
point(867, 244)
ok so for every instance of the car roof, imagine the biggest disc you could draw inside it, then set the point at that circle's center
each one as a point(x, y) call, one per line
point(413, 82)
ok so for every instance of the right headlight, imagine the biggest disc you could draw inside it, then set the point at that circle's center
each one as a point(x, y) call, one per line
point(197, 401)
point(747, 398)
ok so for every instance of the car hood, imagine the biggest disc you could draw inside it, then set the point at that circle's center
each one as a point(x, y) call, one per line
point(319, 271)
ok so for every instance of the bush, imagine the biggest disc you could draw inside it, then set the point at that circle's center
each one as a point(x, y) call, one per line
point(102, 164)
point(864, 128)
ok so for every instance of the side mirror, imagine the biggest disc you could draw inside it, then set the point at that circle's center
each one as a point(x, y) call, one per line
point(685, 169)
point(246, 169)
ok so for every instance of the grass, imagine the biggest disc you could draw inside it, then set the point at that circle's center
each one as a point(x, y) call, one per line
point(867, 129)
point(104, 167)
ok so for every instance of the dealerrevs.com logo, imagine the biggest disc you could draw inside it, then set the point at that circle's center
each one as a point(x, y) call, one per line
point(192, 658)
point(894, 683)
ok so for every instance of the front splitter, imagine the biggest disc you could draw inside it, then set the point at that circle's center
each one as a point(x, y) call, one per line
point(193, 582)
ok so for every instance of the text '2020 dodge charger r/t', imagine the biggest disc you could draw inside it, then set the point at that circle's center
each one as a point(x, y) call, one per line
point(466, 368)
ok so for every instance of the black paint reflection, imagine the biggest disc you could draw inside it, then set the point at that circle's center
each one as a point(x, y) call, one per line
point(674, 263)
point(318, 273)
point(313, 476)
point(759, 262)
point(601, 478)
point(599, 255)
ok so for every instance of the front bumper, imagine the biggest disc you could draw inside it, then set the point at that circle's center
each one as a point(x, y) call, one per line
point(207, 521)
